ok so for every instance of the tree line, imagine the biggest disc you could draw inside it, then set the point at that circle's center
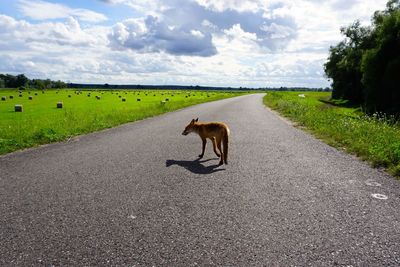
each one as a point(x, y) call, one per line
point(365, 66)
point(21, 81)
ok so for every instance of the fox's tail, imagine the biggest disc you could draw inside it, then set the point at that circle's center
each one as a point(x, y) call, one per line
point(225, 140)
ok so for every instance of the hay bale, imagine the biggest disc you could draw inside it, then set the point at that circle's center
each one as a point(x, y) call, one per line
point(30, 97)
point(59, 104)
point(18, 108)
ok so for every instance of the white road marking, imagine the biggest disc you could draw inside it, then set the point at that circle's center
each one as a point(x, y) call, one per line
point(372, 183)
point(379, 196)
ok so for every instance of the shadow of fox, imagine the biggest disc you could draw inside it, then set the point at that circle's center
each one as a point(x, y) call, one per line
point(194, 166)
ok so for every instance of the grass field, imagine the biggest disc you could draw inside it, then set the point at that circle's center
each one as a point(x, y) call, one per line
point(42, 122)
point(373, 138)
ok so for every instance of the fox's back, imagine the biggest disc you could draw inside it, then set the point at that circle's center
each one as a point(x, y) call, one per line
point(213, 129)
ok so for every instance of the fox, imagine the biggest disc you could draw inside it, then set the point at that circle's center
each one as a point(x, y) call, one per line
point(217, 132)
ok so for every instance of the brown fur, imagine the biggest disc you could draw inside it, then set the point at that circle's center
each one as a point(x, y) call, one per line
point(217, 132)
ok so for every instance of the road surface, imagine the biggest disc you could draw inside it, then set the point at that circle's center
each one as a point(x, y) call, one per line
point(136, 195)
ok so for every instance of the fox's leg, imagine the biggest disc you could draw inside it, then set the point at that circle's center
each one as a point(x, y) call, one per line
point(225, 141)
point(214, 142)
point(203, 148)
point(220, 149)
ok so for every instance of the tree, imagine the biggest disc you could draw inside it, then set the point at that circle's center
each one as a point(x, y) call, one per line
point(47, 83)
point(21, 80)
point(38, 84)
point(10, 81)
point(381, 64)
point(365, 66)
point(344, 63)
point(59, 84)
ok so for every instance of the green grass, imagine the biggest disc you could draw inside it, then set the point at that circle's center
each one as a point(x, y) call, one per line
point(41, 122)
point(373, 138)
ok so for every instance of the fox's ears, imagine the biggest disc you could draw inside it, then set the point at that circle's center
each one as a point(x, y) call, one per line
point(195, 120)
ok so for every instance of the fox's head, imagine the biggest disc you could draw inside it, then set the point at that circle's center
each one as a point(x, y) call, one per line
point(190, 127)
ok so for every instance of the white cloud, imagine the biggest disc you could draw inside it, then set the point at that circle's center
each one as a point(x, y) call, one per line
point(153, 35)
point(41, 10)
point(222, 5)
point(236, 33)
point(147, 7)
point(197, 34)
point(69, 52)
point(206, 42)
point(23, 34)
point(276, 31)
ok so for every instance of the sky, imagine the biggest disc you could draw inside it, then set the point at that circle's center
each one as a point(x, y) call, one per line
point(237, 43)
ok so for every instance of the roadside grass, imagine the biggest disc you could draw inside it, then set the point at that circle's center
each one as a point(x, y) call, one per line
point(41, 122)
point(373, 138)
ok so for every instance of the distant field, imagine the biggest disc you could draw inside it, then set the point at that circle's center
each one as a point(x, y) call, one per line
point(42, 122)
point(373, 138)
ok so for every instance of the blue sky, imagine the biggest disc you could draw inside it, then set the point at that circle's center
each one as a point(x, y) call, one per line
point(114, 13)
point(245, 43)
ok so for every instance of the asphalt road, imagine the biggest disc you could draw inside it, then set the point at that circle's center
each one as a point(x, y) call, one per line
point(136, 195)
